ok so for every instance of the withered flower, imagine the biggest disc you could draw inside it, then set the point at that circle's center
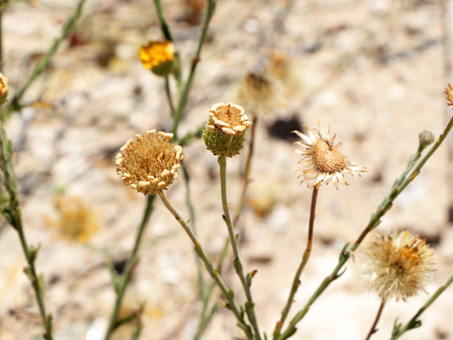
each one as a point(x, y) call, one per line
point(261, 94)
point(397, 265)
point(322, 161)
point(449, 94)
point(150, 163)
point(224, 133)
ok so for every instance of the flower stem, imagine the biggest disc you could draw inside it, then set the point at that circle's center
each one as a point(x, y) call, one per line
point(212, 270)
point(305, 257)
point(248, 166)
point(123, 280)
point(12, 213)
point(209, 12)
point(399, 329)
point(45, 61)
point(376, 320)
point(250, 305)
point(408, 175)
point(169, 96)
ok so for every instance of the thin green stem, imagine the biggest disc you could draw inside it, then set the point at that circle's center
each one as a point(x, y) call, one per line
point(13, 214)
point(212, 270)
point(168, 36)
point(1, 39)
point(300, 269)
point(376, 320)
point(248, 167)
point(169, 96)
point(123, 280)
point(190, 136)
point(409, 174)
point(250, 305)
point(399, 329)
point(195, 60)
point(45, 61)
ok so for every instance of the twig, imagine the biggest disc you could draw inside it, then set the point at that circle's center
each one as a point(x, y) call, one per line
point(195, 60)
point(12, 213)
point(45, 61)
point(399, 329)
point(169, 96)
point(376, 320)
point(248, 167)
point(249, 305)
point(212, 270)
point(305, 257)
point(409, 174)
point(121, 282)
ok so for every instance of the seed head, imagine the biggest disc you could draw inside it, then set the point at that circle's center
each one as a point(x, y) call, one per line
point(261, 94)
point(3, 89)
point(397, 265)
point(158, 57)
point(322, 161)
point(150, 163)
point(224, 133)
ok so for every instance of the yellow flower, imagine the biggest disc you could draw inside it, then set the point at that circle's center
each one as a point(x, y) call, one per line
point(224, 132)
point(150, 164)
point(322, 161)
point(397, 265)
point(3, 89)
point(158, 57)
point(76, 221)
point(261, 94)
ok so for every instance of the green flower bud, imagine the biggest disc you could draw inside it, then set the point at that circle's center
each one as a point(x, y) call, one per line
point(224, 133)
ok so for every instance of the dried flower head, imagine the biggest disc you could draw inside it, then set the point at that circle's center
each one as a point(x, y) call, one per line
point(76, 221)
point(322, 161)
point(425, 138)
point(150, 163)
point(261, 94)
point(158, 57)
point(397, 265)
point(3, 89)
point(449, 94)
point(224, 133)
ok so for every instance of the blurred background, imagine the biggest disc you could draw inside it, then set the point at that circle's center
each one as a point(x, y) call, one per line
point(374, 71)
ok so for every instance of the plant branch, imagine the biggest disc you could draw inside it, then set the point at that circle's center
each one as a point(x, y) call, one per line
point(248, 167)
point(399, 329)
point(45, 61)
point(409, 174)
point(209, 12)
point(11, 211)
point(121, 282)
point(305, 257)
point(249, 305)
point(212, 270)
point(376, 320)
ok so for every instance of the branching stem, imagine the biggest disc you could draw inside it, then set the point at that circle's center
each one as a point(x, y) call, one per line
point(376, 320)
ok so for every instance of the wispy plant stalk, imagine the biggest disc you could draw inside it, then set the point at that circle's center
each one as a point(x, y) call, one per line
point(44, 63)
point(212, 270)
point(249, 305)
point(12, 213)
point(121, 281)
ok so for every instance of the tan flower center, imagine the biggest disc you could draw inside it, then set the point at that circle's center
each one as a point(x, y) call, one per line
point(327, 158)
point(229, 114)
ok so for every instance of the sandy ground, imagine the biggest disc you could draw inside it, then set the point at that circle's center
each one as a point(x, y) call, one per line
point(372, 70)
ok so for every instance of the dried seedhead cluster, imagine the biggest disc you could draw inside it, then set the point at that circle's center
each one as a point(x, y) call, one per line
point(397, 265)
point(150, 163)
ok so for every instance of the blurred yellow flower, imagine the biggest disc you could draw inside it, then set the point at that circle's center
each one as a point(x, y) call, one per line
point(3, 88)
point(158, 57)
point(75, 221)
